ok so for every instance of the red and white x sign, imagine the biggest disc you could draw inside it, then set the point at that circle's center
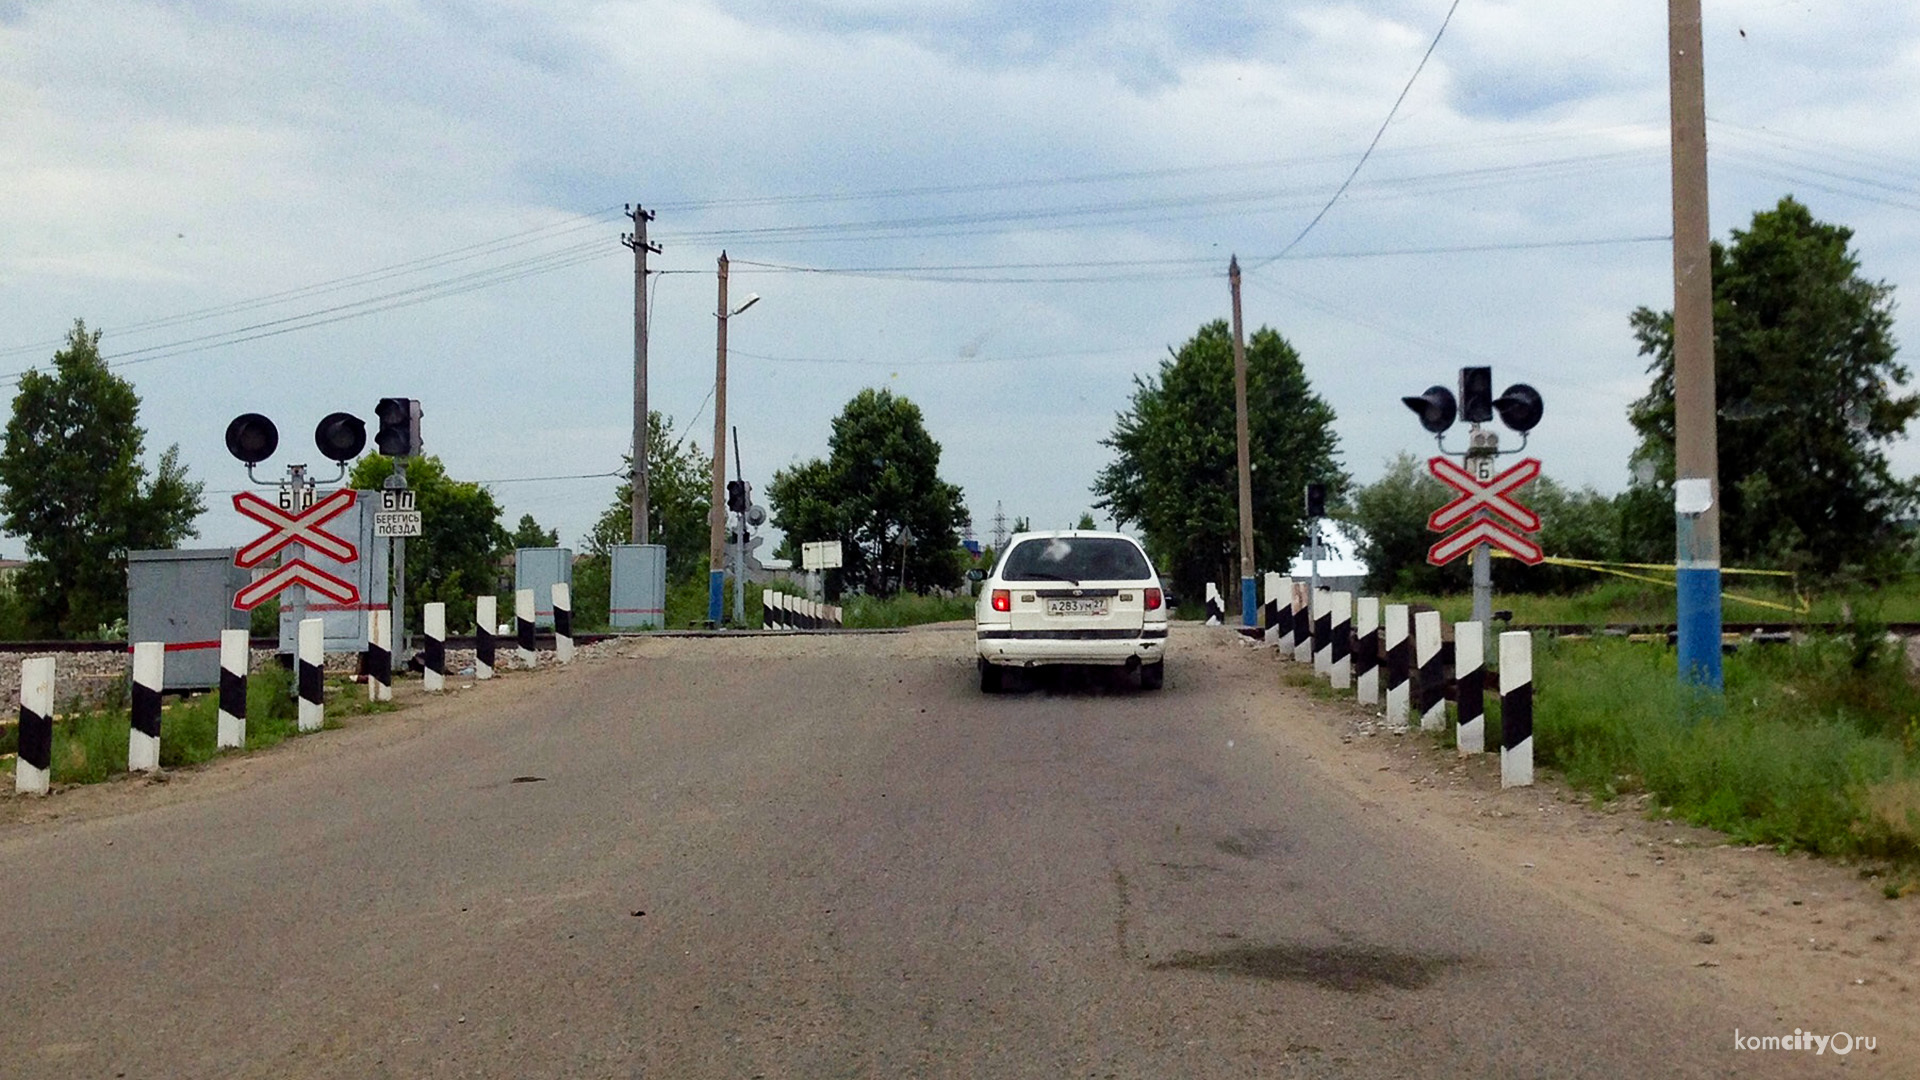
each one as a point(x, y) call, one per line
point(295, 527)
point(1451, 548)
point(1489, 495)
point(296, 572)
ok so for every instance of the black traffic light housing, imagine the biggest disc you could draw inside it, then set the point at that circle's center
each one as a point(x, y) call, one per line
point(340, 436)
point(399, 434)
point(1316, 500)
point(252, 438)
point(1435, 408)
point(1476, 394)
point(737, 496)
point(1519, 407)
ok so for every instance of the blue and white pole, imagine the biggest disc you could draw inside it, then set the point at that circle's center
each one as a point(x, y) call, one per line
point(1698, 582)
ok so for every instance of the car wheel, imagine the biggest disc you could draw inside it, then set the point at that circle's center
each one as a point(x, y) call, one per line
point(990, 681)
point(1154, 675)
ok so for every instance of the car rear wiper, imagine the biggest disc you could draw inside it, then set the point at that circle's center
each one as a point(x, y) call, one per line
point(1043, 575)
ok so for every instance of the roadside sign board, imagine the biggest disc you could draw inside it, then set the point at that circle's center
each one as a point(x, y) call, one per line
point(820, 555)
point(390, 523)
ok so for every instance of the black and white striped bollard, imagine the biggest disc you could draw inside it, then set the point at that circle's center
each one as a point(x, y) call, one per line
point(767, 608)
point(1366, 650)
point(1216, 612)
point(1429, 678)
point(33, 766)
point(1303, 622)
point(380, 654)
point(486, 615)
point(149, 675)
point(1393, 636)
point(1469, 687)
point(433, 627)
point(1516, 709)
point(563, 622)
point(1322, 632)
point(1272, 611)
point(523, 625)
point(236, 659)
point(1340, 640)
point(311, 663)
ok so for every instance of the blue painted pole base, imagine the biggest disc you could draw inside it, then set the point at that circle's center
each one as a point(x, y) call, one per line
point(716, 594)
point(1699, 625)
point(1249, 603)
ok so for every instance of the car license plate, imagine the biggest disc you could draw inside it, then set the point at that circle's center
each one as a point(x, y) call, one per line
point(1079, 605)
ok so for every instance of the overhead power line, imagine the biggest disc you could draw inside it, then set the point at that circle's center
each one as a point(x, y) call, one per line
point(1342, 189)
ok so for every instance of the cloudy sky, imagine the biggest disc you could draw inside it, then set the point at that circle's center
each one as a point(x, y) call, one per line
point(294, 208)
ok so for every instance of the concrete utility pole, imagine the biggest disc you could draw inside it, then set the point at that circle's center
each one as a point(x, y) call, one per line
point(1696, 494)
point(637, 240)
point(1248, 605)
point(717, 517)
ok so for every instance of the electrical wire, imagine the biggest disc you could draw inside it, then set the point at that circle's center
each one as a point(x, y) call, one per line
point(1342, 190)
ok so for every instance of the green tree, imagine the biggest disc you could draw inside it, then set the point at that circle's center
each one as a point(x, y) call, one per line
point(1174, 474)
point(529, 534)
point(1806, 388)
point(678, 495)
point(461, 543)
point(882, 473)
point(1086, 521)
point(74, 489)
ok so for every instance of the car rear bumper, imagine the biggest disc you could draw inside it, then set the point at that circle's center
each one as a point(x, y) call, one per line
point(1034, 648)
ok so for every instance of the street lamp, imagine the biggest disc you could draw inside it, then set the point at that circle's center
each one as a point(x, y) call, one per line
point(717, 511)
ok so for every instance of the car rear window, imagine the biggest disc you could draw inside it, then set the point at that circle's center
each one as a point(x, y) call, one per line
point(1077, 558)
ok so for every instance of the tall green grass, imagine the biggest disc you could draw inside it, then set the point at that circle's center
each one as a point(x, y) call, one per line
point(1812, 747)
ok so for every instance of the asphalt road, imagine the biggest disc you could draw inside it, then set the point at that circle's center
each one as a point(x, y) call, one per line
point(807, 859)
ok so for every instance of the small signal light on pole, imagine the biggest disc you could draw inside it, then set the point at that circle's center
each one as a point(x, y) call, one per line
point(1316, 500)
point(399, 433)
point(1476, 394)
point(1435, 408)
point(1519, 407)
point(340, 436)
point(737, 496)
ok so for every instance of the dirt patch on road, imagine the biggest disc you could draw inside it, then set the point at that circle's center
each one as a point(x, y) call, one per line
point(1817, 940)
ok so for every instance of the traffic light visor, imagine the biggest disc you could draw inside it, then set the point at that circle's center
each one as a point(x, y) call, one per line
point(1435, 408)
point(341, 436)
point(252, 438)
point(1519, 407)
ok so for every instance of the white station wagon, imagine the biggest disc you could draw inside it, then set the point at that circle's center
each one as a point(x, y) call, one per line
point(1071, 597)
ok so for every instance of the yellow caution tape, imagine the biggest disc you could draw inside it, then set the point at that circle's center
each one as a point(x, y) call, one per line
point(1622, 569)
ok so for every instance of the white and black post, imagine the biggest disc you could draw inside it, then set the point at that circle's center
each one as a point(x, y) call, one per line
point(433, 626)
point(236, 658)
point(1470, 687)
point(1272, 633)
point(1366, 650)
point(149, 675)
point(523, 625)
point(486, 614)
point(33, 767)
point(380, 654)
point(311, 662)
point(563, 622)
point(1516, 709)
point(1429, 677)
point(1303, 622)
point(1340, 640)
point(1399, 664)
point(767, 608)
point(1216, 611)
point(1322, 632)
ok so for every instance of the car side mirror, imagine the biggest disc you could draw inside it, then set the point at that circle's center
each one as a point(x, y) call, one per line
point(1172, 601)
point(976, 575)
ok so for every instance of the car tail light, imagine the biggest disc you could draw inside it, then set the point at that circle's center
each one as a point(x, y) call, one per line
point(1153, 599)
point(1002, 600)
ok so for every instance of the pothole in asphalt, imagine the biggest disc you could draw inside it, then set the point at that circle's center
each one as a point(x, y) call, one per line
point(1349, 968)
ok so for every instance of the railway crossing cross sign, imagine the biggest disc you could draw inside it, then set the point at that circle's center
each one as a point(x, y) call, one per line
point(1484, 503)
point(286, 527)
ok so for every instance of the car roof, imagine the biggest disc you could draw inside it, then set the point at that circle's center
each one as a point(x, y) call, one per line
point(1049, 534)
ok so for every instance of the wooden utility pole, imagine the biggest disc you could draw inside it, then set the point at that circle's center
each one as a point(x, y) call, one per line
point(717, 516)
point(1248, 604)
point(1696, 452)
point(637, 240)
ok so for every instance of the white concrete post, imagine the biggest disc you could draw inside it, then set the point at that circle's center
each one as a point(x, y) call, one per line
point(1469, 687)
point(312, 664)
point(433, 627)
point(1366, 650)
point(236, 660)
point(1429, 679)
point(1399, 665)
point(523, 625)
point(149, 675)
point(563, 622)
point(486, 613)
point(33, 766)
point(1516, 709)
